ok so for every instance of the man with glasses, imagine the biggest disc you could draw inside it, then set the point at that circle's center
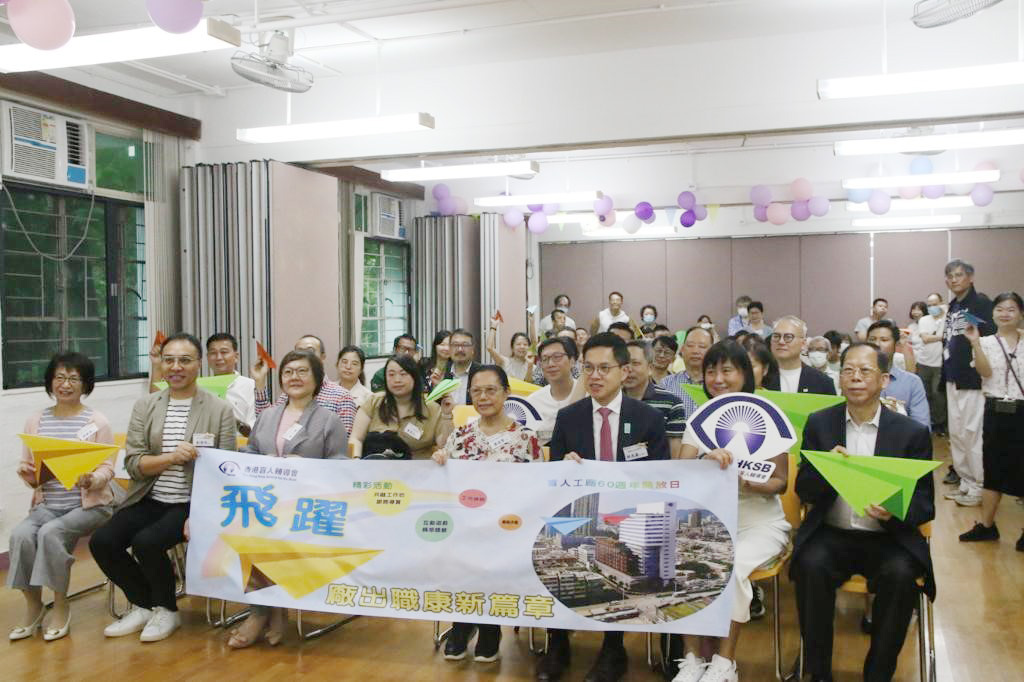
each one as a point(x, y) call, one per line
point(222, 356)
point(788, 334)
point(965, 403)
point(609, 427)
point(403, 345)
point(835, 541)
point(556, 358)
point(462, 364)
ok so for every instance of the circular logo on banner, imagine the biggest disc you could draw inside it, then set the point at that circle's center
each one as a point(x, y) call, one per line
point(749, 426)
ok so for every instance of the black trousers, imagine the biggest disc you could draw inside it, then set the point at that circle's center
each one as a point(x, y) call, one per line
point(825, 562)
point(150, 528)
point(561, 638)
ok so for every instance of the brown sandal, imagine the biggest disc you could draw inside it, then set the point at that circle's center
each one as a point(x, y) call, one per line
point(238, 640)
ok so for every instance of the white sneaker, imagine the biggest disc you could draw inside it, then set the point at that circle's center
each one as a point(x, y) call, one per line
point(690, 669)
point(953, 494)
point(968, 500)
point(720, 670)
point(129, 623)
point(161, 626)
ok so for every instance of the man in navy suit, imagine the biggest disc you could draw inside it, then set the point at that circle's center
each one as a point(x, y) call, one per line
point(788, 336)
point(612, 427)
point(836, 541)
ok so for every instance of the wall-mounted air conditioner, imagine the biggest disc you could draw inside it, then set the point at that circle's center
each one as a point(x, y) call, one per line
point(386, 216)
point(42, 147)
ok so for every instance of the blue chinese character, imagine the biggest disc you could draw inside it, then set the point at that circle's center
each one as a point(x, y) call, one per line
point(249, 498)
point(322, 517)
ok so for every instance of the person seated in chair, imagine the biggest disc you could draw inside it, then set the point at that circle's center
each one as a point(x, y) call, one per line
point(835, 541)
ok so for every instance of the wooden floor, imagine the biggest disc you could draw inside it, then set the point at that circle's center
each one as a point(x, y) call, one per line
point(978, 627)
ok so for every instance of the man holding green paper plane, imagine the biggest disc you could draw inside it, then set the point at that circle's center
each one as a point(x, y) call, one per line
point(880, 540)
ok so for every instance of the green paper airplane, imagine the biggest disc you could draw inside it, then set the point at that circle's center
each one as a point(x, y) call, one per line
point(443, 388)
point(865, 480)
point(218, 385)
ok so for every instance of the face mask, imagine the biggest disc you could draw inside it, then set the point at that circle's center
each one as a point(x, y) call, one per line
point(705, 325)
point(648, 319)
point(818, 358)
point(742, 312)
point(843, 346)
point(934, 310)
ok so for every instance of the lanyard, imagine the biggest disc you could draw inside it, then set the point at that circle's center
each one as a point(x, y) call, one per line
point(1010, 357)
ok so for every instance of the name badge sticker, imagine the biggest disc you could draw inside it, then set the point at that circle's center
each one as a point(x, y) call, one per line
point(413, 431)
point(631, 452)
point(627, 428)
point(292, 431)
point(202, 440)
point(87, 431)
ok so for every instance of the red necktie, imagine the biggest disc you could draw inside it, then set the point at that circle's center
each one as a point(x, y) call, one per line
point(607, 454)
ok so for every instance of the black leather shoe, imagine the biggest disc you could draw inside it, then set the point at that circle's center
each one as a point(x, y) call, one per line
point(610, 665)
point(553, 663)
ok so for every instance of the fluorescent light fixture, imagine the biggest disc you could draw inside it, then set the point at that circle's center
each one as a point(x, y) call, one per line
point(955, 178)
point(579, 197)
point(938, 80)
point(910, 221)
point(921, 204)
point(120, 46)
point(931, 143)
point(575, 219)
point(325, 130)
point(472, 170)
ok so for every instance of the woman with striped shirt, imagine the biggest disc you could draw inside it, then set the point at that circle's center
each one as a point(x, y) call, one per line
point(41, 546)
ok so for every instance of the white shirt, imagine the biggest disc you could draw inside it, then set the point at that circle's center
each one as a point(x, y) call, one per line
point(605, 319)
point(459, 394)
point(547, 325)
point(789, 379)
point(860, 440)
point(547, 407)
point(1001, 384)
point(930, 354)
point(359, 393)
point(613, 420)
point(241, 395)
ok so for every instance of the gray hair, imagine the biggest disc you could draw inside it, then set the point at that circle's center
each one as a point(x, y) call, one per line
point(957, 263)
point(818, 338)
point(646, 347)
point(795, 320)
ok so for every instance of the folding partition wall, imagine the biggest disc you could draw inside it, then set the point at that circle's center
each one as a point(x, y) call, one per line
point(445, 275)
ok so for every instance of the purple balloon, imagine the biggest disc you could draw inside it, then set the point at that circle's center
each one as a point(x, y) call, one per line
point(513, 218)
point(175, 16)
point(537, 223)
point(982, 195)
point(447, 206)
point(818, 206)
point(604, 205)
point(688, 219)
point(441, 191)
point(800, 210)
point(879, 202)
point(686, 201)
point(933, 191)
point(644, 210)
point(551, 209)
point(760, 213)
point(535, 208)
point(701, 211)
point(760, 195)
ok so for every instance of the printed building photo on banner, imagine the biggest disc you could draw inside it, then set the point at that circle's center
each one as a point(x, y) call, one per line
point(636, 557)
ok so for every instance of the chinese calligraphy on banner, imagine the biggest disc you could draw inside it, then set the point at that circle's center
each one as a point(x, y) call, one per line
point(644, 546)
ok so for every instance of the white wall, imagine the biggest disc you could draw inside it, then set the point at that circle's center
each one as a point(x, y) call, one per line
point(113, 398)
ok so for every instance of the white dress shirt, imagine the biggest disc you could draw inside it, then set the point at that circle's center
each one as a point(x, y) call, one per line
point(860, 441)
point(241, 394)
point(613, 420)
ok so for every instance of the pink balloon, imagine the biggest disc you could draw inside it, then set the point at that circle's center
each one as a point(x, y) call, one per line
point(551, 209)
point(461, 206)
point(686, 201)
point(446, 206)
point(688, 218)
point(175, 16)
point(801, 189)
point(537, 223)
point(42, 24)
point(819, 206)
point(604, 205)
point(879, 202)
point(985, 165)
point(700, 211)
point(760, 195)
point(760, 213)
point(800, 211)
point(441, 191)
point(933, 191)
point(777, 214)
point(608, 219)
point(910, 192)
point(513, 218)
point(982, 195)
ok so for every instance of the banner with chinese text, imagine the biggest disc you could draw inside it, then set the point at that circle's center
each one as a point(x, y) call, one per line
point(643, 546)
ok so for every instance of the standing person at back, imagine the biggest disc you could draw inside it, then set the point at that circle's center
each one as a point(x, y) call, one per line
point(613, 313)
point(929, 360)
point(562, 304)
point(879, 309)
point(794, 376)
point(738, 322)
point(965, 402)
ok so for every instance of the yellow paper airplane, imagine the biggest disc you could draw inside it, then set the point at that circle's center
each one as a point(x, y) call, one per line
point(521, 388)
point(65, 459)
point(299, 568)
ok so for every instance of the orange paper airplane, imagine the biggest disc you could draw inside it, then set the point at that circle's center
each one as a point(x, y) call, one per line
point(265, 356)
point(160, 339)
point(65, 460)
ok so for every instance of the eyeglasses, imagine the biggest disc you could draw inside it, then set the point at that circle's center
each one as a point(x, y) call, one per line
point(600, 370)
point(300, 372)
point(461, 345)
point(664, 352)
point(488, 391)
point(70, 381)
point(865, 372)
point(553, 358)
point(183, 360)
point(785, 338)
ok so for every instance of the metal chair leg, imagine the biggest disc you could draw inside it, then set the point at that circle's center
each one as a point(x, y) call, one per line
point(81, 593)
point(223, 620)
point(319, 632)
point(926, 639)
point(776, 628)
point(533, 649)
point(439, 635)
point(112, 602)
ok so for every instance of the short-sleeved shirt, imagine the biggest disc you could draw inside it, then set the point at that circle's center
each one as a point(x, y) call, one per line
point(670, 407)
point(673, 383)
point(1001, 384)
point(418, 434)
point(929, 354)
point(515, 444)
point(55, 495)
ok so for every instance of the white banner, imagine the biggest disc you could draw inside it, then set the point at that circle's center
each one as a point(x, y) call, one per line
point(643, 546)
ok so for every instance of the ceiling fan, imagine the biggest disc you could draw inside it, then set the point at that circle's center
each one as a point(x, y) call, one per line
point(932, 13)
point(270, 65)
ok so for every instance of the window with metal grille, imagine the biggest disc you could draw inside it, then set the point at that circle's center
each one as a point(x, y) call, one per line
point(385, 295)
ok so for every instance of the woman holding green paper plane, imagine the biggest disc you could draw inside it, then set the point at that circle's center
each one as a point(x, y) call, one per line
point(41, 545)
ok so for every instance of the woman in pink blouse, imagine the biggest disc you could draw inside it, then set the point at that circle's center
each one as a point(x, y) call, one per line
point(495, 437)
